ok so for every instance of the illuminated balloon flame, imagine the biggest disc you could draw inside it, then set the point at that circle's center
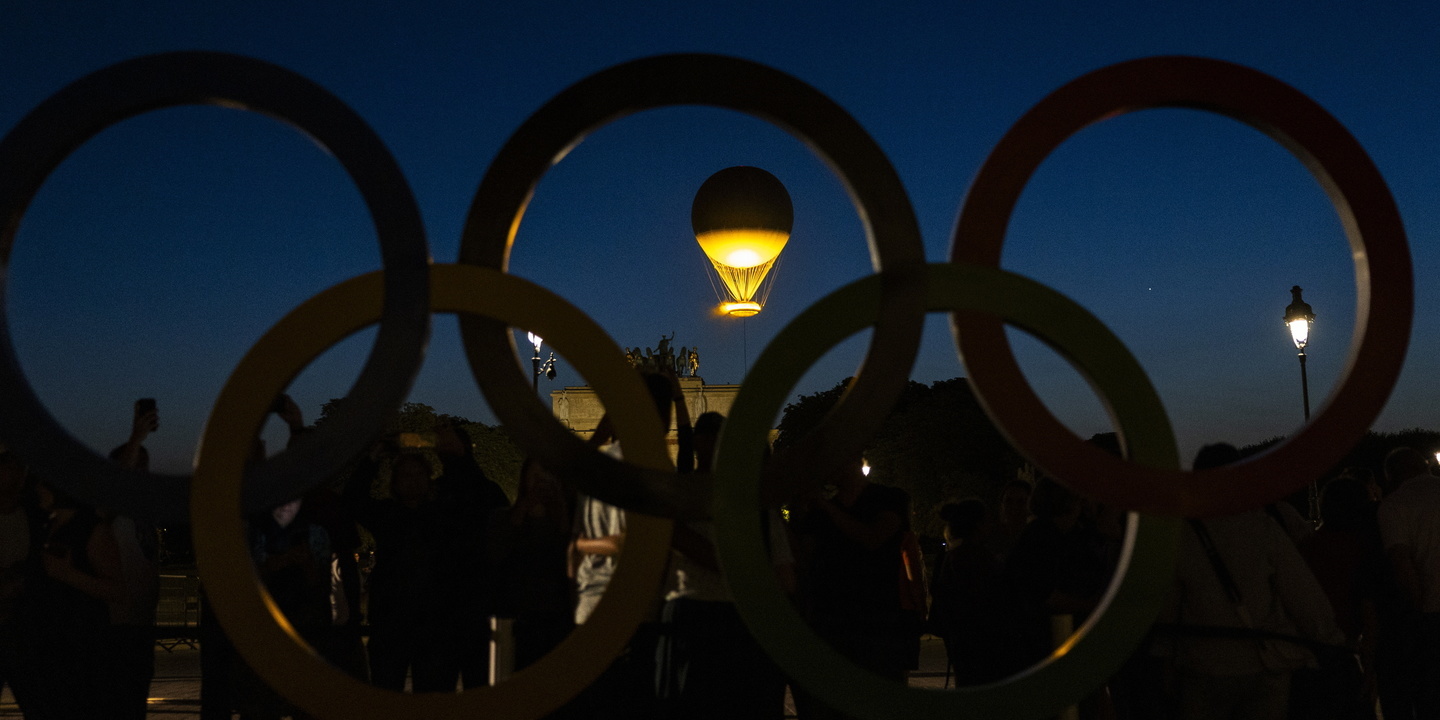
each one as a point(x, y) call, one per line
point(742, 218)
point(742, 260)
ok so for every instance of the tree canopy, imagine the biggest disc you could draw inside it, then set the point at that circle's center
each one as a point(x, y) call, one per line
point(937, 444)
point(414, 426)
point(1369, 454)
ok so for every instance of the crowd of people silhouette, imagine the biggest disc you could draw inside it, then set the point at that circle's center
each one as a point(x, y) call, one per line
point(394, 571)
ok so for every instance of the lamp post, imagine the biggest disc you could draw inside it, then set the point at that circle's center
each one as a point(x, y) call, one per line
point(548, 368)
point(1299, 317)
point(535, 360)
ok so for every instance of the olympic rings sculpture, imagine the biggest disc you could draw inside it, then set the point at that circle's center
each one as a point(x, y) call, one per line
point(980, 297)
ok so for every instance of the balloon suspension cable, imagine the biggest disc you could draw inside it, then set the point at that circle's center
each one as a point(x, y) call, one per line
point(716, 284)
point(762, 294)
point(745, 346)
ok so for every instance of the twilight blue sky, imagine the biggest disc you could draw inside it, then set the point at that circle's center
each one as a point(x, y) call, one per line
point(162, 249)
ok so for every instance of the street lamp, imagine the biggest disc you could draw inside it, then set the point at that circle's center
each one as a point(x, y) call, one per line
point(1300, 318)
point(548, 368)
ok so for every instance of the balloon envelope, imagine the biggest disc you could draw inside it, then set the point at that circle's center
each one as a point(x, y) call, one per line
point(742, 218)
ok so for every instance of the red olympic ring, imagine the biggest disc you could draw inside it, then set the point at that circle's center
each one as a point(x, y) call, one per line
point(1384, 283)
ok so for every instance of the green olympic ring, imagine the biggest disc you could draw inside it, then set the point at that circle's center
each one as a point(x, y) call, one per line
point(1095, 651)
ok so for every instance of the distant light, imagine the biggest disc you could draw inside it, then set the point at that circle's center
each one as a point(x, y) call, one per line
point(1437, 457)
point(865, 467)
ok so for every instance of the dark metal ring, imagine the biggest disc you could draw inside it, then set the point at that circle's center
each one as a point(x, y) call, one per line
point(54, 129)
point(1383, 279)
point(716, 81)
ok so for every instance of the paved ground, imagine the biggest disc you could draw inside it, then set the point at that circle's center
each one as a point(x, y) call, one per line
point(175, 692)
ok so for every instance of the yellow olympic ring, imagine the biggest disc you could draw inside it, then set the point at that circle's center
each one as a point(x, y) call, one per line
point(251, 619)
point(1095, 651)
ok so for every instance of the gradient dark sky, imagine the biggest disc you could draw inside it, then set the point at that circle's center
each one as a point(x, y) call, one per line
point(162, 249)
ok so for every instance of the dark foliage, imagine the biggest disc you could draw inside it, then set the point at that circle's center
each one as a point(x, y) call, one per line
point(493, 449)
point(1369, 453)
point(937, 444)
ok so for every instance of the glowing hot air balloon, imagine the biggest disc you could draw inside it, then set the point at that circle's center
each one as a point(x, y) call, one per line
point(742, 218)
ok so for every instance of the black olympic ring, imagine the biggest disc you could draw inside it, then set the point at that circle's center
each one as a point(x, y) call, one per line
point(54, 129)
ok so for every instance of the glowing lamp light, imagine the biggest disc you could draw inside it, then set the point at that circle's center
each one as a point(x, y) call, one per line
point(1300, 318)
point(865, 467)
point(742, 218)
point(1300, 332)
point(534, 340)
